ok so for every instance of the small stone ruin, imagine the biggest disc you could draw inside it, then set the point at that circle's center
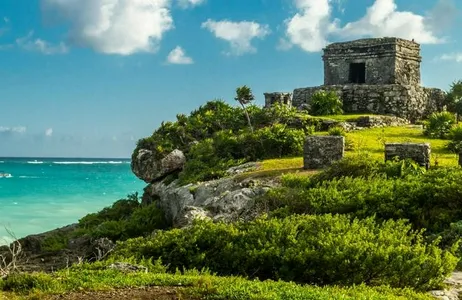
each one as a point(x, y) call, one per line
point(272, 98)
point(322, 151)
point(375, 75)
point(420, 153)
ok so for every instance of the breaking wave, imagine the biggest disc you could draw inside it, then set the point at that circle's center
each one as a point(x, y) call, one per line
point(89, 162)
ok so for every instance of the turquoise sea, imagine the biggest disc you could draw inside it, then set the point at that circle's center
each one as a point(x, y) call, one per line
point(45, 193)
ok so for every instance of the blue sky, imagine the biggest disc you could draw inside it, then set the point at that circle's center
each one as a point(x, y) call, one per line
point(87, 78)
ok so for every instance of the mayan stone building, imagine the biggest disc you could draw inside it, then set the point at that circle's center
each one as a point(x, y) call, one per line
point(380, 75)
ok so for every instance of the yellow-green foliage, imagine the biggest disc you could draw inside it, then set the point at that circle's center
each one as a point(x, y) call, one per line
point(317, 249)
point(191, 284)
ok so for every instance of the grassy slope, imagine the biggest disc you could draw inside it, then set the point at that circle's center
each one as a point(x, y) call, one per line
point(195, 286)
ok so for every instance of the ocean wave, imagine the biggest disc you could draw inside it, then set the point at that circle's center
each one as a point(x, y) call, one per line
point(89, 162)
point(35, 162)
point(28, 177)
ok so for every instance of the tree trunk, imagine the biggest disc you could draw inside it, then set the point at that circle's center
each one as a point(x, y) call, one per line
point(247, 116)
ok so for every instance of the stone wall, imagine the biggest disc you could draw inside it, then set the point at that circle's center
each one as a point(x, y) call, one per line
point(406, 101)
point(420, 153)
point(322, 151)
point(387, 61)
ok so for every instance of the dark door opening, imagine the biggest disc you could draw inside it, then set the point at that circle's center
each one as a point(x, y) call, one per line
point(357, 73)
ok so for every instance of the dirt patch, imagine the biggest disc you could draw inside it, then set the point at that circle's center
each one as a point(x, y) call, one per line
point(147, 293)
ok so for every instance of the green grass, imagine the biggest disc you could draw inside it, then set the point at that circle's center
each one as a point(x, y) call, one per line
point(195, 285)
point(345, 117)
point(373, 142)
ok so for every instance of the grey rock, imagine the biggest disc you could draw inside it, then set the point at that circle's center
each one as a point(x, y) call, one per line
point(226, 199)
point(127, 268)
point(247, 167)
point(189, 214)
point(150, 169)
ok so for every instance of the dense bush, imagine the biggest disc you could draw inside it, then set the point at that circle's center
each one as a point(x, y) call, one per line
point(455, 136)
point(126, 218)
point(429, 201)
point(210, 158)
point(439, 124)
point(325, 103)
point(313, 249)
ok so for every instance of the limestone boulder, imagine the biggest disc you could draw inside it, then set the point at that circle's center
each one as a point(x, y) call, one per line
point(227, 199)
point(150, 169)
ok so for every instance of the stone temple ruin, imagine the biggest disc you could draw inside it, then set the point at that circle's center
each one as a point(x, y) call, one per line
point(378, 75)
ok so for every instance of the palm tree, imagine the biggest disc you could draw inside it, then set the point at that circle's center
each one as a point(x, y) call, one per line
point(244, 96)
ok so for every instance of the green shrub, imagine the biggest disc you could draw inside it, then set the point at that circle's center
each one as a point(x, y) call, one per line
point(325, 103)
point(455, 135)
point(428, 200)
point(313, 249)
point(210, 158)
point(126, 218)
point(439, 124)
point(337, 131)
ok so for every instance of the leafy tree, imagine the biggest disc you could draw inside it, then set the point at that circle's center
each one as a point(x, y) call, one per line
point(454, 97)
point(244, 96)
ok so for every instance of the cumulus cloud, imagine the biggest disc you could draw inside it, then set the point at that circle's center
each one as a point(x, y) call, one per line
point(457, 57)
point(239, 34)
point(17, 129)
point(190, 3)
point(38, 45)
point(178, 56)
point(49, 132)
point(113, 26)
point(313, 24)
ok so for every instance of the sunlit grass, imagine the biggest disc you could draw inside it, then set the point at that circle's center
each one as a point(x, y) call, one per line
point(371, 141)
point(344, 118)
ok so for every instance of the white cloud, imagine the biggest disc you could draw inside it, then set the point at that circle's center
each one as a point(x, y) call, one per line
point(190, 3)
point(17, 129)
point(178, 56)
point(113, 26)
point(39, 45)
point(457, 57)
point(238, 34)
point(313, 24)
point(49, 132)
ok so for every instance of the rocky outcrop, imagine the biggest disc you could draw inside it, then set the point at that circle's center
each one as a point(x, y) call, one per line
point(226, 199)
point(149, 168)
point(453, 289)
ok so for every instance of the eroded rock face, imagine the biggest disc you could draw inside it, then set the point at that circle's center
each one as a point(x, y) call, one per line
point(150, 169)
point(224, 199)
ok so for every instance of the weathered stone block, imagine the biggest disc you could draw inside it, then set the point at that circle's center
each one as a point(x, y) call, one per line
point(322, 151)
point(420, 153)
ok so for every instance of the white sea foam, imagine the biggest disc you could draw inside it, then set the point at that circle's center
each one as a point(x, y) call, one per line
point(28, 177)
point(35, 162)
point(88, 162)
